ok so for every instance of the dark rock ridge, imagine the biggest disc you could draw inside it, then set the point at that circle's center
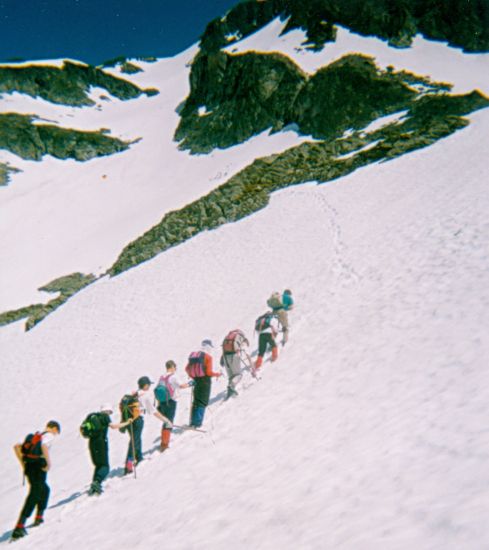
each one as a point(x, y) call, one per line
point(20, 136)
point(68, 85)
point(461, 23)
point(234, 97)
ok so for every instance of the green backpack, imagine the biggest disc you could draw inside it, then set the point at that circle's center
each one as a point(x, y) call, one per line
point(92, 425)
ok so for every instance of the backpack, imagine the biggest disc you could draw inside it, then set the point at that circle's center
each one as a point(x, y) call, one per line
point(229, 344)
point(129, 407)
point(164, 391)
point(32, 449)
point(195, 367)
point(263, 322)
point(92, 425)
point(275, 301)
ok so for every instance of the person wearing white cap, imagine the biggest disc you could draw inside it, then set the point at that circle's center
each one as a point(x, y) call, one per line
point(96, 426)
point(199, 368)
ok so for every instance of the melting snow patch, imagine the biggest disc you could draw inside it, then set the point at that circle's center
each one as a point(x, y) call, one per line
point(353, 153)
point(384, 121)
point(203, 111)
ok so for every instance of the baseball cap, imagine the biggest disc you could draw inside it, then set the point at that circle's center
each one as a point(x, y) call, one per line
point(107, 407)
point(207, 343)
point(143, 381)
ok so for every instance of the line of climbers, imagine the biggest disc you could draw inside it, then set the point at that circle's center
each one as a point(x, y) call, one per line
point(33, 453)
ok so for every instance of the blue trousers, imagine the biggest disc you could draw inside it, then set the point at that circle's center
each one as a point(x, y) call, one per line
point(135, 432)
point(197, 416)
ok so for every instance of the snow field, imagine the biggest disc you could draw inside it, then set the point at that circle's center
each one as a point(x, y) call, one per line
point(64, 224)
point(367, 432)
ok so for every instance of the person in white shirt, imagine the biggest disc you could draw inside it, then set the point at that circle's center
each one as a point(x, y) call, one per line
point(146, 407)
point(35, 459)
point(168, 405)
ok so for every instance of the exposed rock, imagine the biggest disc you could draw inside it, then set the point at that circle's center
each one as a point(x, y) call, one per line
point(21, 136)
point(68, 85)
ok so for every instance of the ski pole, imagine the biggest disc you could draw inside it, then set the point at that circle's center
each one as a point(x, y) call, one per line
point(133, 450)
point(191, 405)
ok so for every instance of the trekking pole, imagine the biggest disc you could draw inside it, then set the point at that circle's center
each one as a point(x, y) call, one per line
point(133, 450)
point(191, 406)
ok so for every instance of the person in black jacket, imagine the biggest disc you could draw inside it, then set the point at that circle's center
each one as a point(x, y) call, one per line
point(98, 446)
point(34, 457)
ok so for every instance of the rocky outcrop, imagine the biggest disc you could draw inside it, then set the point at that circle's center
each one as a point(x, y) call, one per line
point(234, 97)
point(69, 85)
point(5, 171)
point(30, 140)
point(461, 23)
point(65, 286)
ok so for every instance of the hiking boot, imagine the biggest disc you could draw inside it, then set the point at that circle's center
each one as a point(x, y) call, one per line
point(231, 393)
point(95, 488)
point(129, 469)
point(18, 533)
point(38, 521)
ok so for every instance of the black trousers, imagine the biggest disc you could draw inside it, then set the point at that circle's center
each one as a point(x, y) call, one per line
point(38, 492)
point(265, 339)
point(168, 409)
point(99, 453)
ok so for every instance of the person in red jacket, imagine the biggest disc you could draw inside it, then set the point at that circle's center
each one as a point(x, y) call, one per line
point(199, 368)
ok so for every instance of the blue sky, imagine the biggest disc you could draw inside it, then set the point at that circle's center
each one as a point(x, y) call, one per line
point(97, 30)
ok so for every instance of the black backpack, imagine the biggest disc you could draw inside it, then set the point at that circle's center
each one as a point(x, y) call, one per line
point(263, 322)
point(32, 449)
point(129, 407)
point(92, 425)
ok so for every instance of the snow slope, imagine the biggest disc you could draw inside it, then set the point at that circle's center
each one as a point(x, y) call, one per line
point(63, 216)
point(368, 431)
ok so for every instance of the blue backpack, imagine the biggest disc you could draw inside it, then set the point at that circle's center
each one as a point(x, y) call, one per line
point(164, 391)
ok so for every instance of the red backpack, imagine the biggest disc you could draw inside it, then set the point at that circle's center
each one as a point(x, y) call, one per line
point(32, 448)
point(229, 344)
point(195, 367)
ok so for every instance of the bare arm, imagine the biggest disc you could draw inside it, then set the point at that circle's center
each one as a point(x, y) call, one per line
point(45, 454)
point(18, 453)
point(162, 418)
point(121, 425)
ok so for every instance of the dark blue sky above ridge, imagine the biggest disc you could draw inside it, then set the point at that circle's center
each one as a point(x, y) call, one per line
point(97, 30)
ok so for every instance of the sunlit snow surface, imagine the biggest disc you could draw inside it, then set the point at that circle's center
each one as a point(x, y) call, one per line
point(368, 432)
